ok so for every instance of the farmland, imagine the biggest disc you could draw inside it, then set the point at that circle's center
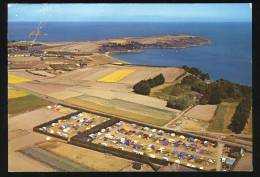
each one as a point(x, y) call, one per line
point(151, 119)
point(13, 79)
point(202, 112)
point(222, 117)
point(25, 103)
point(16, 94)
point(85, 76)
point(100, 162)
point(116, 76)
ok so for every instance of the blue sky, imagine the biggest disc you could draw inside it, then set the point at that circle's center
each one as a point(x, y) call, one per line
point(240, 12)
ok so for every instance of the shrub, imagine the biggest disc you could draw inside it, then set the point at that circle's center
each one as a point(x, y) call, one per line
point(142, 87)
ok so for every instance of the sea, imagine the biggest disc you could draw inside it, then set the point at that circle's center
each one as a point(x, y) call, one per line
point(228, 56)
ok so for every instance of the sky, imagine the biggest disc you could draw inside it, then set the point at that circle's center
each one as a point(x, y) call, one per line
point(226, 12)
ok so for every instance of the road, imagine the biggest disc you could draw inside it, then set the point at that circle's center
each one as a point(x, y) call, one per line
point(178, 116)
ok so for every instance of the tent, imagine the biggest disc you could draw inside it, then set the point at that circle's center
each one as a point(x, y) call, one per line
point(165, 158)
point(230, 161)
point(99, 133)
point(165, 143)
point(151, 135)
point(80, 114)
point(190, 139)
point(51, 131)
point(182, 155)
point(146, 128)
point(145, 135)
point(174, 152)
point(108, 129)
point(154, 130)
point(177, 161)
point(118, 124)
point(161, 138)
point(182, 137)
point(152, 155)
point(192, 156)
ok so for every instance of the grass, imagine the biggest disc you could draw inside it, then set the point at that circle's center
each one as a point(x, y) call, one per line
point(16, 94)
point(116, 75)
point(223, 117)
point(167, 92)
point(13, 79)
point(164, 91)
point(248, 128)
point(25, 103)
point(116, 112)
point(218, 120)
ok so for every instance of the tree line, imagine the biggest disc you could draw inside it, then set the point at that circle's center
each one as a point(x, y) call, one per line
point(240, 118)
point(143, 87)
point(216, 91)
point(196, 72)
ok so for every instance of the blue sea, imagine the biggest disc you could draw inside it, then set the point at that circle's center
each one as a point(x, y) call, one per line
point(229, 55)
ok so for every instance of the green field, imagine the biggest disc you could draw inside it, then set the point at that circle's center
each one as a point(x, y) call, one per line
point(223, 117)
point(218, 120)
point(128, 110)
point(165, 91)
point(26, 103)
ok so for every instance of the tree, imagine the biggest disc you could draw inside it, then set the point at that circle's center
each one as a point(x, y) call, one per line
point(189, 80)
point(142, 87)
point(159, 79)
point(241, 115)
point(177, 90)
point(200, 87)
point(205, 76)
point(196, 72)
point(214, 97)
point(151, 82)
point(180, 103)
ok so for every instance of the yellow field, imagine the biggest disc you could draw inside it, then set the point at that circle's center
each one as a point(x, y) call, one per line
point(16, 94)
point(12, 79)
point(116, 75)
